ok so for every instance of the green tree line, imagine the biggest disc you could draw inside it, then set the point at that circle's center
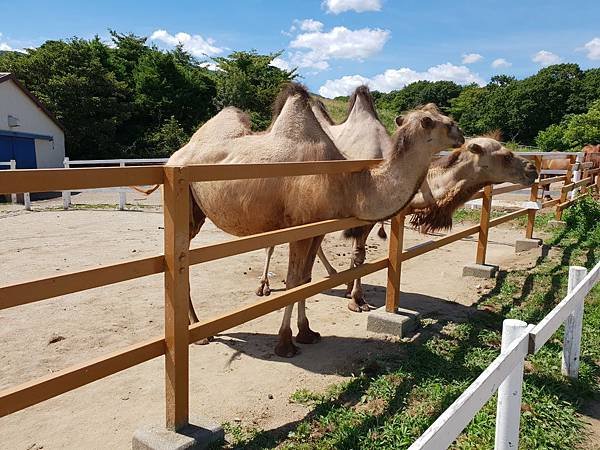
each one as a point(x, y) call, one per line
point(129, 99)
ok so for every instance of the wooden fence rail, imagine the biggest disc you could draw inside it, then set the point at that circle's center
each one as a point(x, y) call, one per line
point(177, 259)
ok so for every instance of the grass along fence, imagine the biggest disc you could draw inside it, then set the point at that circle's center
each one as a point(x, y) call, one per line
point(177, 258)
point(505, 373)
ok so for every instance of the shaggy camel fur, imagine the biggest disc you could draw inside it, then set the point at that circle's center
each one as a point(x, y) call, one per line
point(245, 207)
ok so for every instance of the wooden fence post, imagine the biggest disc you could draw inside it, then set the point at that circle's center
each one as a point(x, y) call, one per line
point(392, 296)
point(508, 410)
point(66, 195)
point(573, 327)
point(533, 198)
point(564, 195)
point(484, 224)
point(577, 174)
point(176, 216)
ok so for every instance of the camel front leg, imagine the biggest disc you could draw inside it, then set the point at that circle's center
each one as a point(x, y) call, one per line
point(285, 346)
point(305, 334)
point(264, 288)
point(328, 267)
point(357, 301)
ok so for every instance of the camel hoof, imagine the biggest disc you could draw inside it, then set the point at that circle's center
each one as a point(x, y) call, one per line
point(259, 291)
point(353, 306)
point(267, 291)
point(307, 336)
point(286, 349)
point(365, 307)
point(205, 341)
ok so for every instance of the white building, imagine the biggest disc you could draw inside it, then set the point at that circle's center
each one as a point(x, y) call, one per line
point(29, 133)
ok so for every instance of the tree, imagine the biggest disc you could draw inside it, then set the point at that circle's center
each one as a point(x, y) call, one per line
point(420, 93)
point(575, 131)
point(249, 81)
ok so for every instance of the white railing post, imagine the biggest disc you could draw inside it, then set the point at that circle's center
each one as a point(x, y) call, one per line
point(573, 327)
point(122, 195)
point(27, 201)
point(66, 195)
point(13, 196)
point(508, 412)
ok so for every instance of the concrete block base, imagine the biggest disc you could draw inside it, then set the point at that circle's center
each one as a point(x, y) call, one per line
point(401, 323)
point(191, 437)
point(523, 245)
point(557, 224)
point(480, 271)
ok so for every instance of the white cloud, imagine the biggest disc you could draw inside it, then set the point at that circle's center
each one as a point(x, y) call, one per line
point(308, 25)
point(340, 6)
point(195, 44)
point(470, 58)
point(393, 79)
point(339, 43)
point(546, 58)
point(281, 63)
point(593, 49)
point(500, 62)
point(5, 47)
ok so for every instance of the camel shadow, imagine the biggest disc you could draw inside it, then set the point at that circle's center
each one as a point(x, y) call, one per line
point(341, 354)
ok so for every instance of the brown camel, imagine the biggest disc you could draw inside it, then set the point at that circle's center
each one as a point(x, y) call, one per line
point(245, 207)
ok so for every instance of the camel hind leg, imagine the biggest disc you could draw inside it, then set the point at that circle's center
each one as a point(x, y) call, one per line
point(264, 288)
point(305, 334)
point(328, 267)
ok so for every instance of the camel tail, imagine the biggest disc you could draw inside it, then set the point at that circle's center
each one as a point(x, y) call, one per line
point(381, 232)
point(145, 191)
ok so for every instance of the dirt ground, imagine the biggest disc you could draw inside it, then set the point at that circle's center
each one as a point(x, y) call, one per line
point(236, 378)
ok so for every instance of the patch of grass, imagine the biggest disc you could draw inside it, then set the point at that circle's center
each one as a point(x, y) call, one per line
point(396, 396)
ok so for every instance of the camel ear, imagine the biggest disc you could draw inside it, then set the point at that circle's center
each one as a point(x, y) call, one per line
point(399, 120)
point(475, 148)
point(427, 122)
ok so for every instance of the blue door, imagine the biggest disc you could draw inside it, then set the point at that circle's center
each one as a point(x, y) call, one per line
point(21, 149)
point(6, 152)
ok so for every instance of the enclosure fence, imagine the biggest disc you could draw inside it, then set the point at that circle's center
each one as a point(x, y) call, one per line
point(505, 373)
point(178, 257)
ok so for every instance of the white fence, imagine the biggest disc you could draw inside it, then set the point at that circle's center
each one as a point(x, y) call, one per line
point(66, 195)
point(12, 165)
point(506, 371)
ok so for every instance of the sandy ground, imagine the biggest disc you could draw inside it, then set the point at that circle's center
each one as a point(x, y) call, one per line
point(235, 378)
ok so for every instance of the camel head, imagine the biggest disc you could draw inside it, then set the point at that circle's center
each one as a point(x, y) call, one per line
point(428, 126)
point(494, 163)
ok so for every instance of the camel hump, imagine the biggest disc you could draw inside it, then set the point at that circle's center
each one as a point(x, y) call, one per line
point(363, 93)
point(289, 90)
point(319, 106)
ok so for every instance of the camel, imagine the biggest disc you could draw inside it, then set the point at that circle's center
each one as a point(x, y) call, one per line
point(360, 136)
point(245, 207)
point(451, 181)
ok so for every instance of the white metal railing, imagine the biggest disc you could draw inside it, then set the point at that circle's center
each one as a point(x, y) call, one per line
point(66, 195)
point(505, 373)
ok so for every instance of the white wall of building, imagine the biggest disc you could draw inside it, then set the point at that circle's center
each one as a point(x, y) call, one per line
point(14, 102)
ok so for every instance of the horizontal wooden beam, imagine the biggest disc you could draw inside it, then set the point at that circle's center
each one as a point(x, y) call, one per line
point(509, 188)
point(21, 396)
point(510, 216)
point(44, 180)
point(44, 288)
point(271, 238)
point(550, 203)
point(246, 313)
point(428, 246)
point(570, 202)
point(548, 181)
point(570, 187)
point(219, 172)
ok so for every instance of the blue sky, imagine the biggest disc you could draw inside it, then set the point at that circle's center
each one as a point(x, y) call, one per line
point(338, 44)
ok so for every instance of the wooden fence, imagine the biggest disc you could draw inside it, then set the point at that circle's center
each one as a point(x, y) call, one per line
point(505, 373)
point(177, 258)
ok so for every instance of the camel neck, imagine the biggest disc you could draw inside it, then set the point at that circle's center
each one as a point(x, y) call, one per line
point(390, 186)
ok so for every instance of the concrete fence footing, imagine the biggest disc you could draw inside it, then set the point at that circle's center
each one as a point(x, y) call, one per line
point(480, 270)
point(401, 323)
point(523, 245)
point(190, 437)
